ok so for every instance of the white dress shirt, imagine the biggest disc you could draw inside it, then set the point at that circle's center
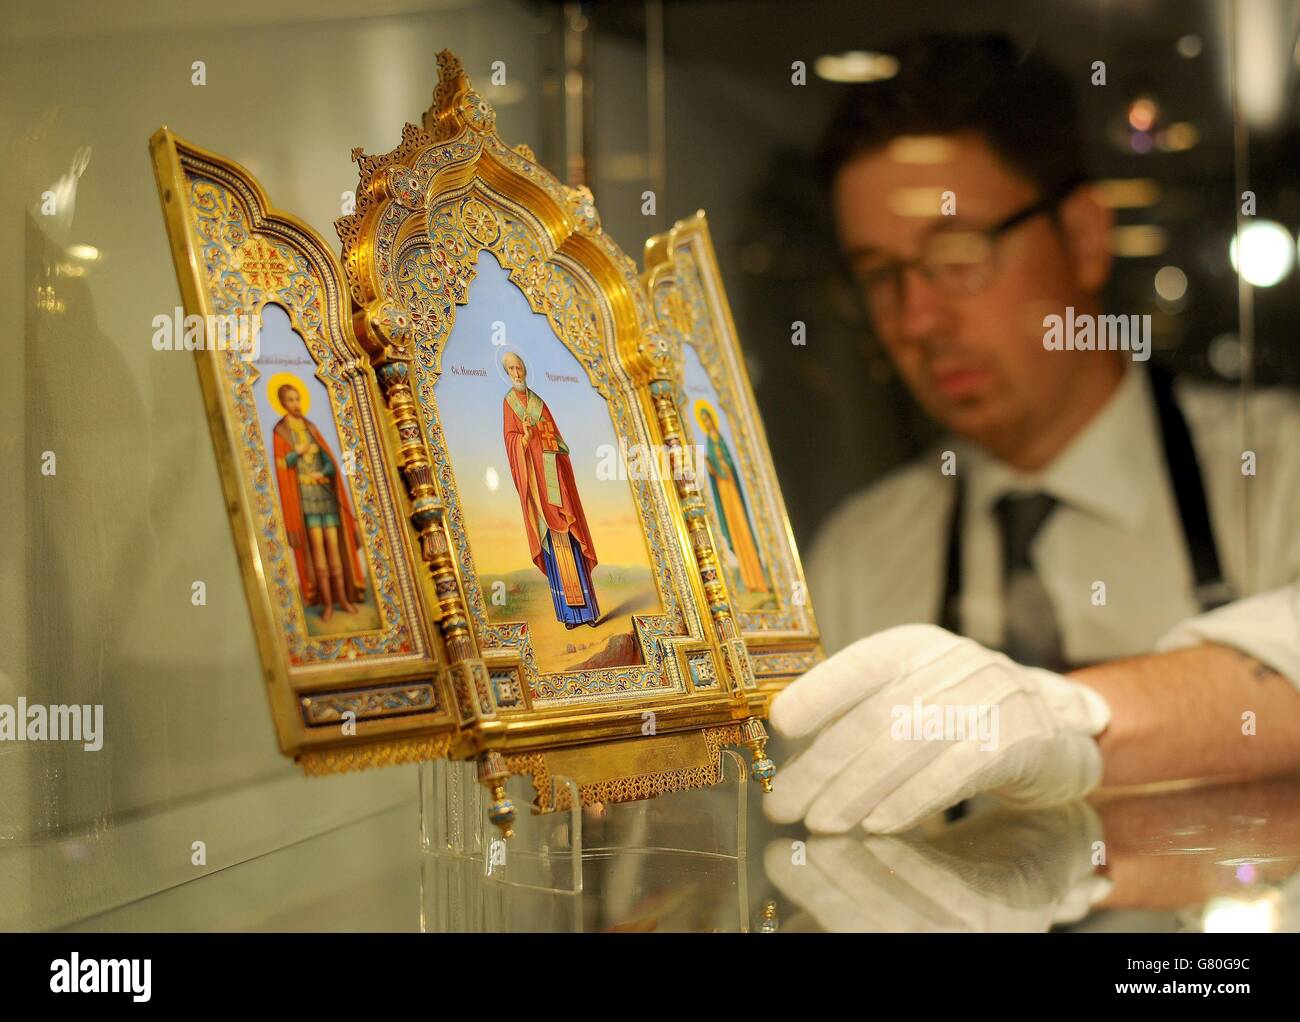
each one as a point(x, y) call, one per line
point(880, 559)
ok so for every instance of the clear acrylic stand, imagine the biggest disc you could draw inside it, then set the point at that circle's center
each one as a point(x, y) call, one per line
point(673, 862)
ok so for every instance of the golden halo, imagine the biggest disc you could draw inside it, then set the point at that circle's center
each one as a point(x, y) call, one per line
point(702, 405)
point(277, 381)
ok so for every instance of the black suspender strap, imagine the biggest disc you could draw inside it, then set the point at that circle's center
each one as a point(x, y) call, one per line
point(1211, 590)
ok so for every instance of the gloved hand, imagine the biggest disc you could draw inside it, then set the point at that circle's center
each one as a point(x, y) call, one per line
point(997, 872)
point(914, 719)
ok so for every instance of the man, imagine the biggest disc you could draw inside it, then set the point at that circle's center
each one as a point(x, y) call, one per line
point(558, 538)
point(1081, 517)
point(317, 518)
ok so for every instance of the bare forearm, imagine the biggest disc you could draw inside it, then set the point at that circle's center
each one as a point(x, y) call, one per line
point(1201, 712)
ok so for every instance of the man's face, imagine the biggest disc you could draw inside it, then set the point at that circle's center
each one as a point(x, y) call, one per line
point(975, 362)
point(292, 402)
point(517, 373)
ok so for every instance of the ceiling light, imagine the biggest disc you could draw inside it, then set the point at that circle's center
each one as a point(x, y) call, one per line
point(856, 66)
point(1268, 253)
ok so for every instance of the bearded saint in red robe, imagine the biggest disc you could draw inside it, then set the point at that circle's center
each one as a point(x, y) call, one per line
point(558, 538)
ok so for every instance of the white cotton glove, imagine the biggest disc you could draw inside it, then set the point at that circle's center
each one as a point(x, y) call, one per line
point(986, 724)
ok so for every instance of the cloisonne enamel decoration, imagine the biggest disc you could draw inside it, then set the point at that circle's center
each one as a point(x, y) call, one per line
point(495, 495)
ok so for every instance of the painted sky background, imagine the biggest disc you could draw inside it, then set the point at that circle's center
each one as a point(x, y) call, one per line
point(470, 407)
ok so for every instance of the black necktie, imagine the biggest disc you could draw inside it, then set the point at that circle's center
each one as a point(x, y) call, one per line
point(1032, 636)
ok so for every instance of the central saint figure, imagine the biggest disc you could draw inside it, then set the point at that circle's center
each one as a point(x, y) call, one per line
point(558, 538)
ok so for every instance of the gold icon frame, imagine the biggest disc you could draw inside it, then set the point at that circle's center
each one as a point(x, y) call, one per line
point(684, 284)
point(437, 677)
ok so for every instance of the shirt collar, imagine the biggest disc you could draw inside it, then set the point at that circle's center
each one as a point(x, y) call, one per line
point(1107, 469)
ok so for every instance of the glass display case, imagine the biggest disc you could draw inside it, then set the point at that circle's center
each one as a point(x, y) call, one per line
point(120, 581)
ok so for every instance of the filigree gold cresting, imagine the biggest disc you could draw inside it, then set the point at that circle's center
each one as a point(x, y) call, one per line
point(389, 752)
point(628, 789)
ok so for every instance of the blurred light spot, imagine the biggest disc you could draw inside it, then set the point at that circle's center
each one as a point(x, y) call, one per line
point(915, 201)
point(1178, 137)
point(69, 270)
point(1245, 873)
point(1140, 142)
point(921, 149)
point(1267, 253)
point(1138, 240)
point(1127, 192)
point(1262, 37)
point(1238, 915)
point(492, 479)
point(1142, 114)
point(1171, 283)
point(89, 253)
point(1226, 356)
point(855, 66)
point(1189, 46)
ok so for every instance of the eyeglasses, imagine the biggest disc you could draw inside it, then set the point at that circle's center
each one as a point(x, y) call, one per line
point(959, 261)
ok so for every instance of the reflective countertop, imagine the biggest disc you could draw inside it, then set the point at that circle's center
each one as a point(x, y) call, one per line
point(1223, 857)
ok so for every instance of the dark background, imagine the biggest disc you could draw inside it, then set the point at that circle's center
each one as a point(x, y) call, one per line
point(739, 139)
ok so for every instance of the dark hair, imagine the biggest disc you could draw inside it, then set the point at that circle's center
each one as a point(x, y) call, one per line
point(287, 386)
point(1022, 105)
